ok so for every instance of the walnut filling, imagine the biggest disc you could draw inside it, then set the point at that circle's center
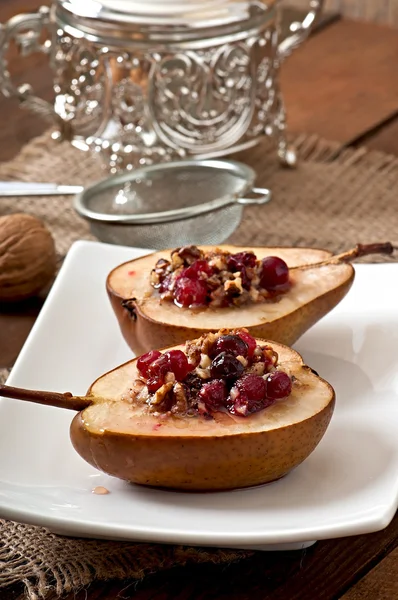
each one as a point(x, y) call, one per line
point(225, 371)
point(218, 278)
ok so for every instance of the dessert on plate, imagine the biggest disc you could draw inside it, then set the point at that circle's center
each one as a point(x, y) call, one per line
point(223, 411)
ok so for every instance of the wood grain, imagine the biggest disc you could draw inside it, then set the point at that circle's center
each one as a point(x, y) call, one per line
point(324, 572)
point(383, 138)
point(18, 126)
point(380, 584)
point(343, 81)
point(15, 324)
point(375, 11)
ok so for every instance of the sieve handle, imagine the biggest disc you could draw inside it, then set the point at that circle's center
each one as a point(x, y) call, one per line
point(263, 196)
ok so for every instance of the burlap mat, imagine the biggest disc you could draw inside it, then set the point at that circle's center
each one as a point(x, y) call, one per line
point(334, 199)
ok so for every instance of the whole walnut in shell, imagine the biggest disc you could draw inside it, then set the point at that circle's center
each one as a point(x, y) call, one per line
point(27, 257)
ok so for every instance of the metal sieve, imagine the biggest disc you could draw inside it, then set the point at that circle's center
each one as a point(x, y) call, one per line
point(171, 204)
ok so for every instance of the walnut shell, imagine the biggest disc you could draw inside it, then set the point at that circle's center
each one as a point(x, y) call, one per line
point(27, 257)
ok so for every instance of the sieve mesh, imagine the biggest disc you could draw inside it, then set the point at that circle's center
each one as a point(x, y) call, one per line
point(210, 228)
point(163, 190)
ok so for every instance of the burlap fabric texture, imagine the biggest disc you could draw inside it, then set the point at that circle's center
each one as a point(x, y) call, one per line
point(334, 199)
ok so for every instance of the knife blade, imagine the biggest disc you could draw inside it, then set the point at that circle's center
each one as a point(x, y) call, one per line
point(22, 188)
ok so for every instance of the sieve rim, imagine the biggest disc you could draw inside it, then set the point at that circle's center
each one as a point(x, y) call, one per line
point(235, 168)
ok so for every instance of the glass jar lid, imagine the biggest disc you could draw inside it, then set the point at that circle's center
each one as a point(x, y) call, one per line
point(159, 20)
point(186, 12)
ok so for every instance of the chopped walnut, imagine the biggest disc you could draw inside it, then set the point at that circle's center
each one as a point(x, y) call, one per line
point(162, 267)
point(181, 402)
point(218, 297)
point(256, 369)
point(206, 341)
point(176, 261)
point(206, 383)
point(155, 278)
point(193, 353)
point(167, 295)
point(242, 360)
point(189, 254)
point(203, 373)
point(205, 361)
point(162, 264)
point(233, 286)
point(254, 294)
point(241, 298)
point(271, 355)
point(170, 377)
point(161, 394)
point(219, 262)
point(230, 279)
point(213, 282)
point(234, 393)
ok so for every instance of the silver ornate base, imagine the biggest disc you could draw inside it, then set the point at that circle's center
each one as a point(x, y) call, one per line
point(124, 159)
point(138, 94)
point(140, 107)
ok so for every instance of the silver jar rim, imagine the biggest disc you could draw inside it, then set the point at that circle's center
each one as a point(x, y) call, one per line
point(99, 23)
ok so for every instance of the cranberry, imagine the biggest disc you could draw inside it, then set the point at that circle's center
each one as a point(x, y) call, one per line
point(199, 266)
point(249, 341)
point(154, 383)
point(146, 360)
point(252, 386)
point(159, 367)
point(193, 384)
point(232, 344)
point(226, 366)
point(165, 284)
point(179, 364)
point(213, 394)
point(241, 259)
point(268, 357)
point(250, 392)
point(274, 273)
point(279, 385)
point(190, 292)
point(246, 281)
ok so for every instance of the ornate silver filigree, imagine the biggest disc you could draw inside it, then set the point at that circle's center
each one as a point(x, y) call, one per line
point(79, 85)
point(202, 102)
point(147, 103)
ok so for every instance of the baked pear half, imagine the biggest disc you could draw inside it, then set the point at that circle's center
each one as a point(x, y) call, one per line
point(249, 412)
point(196, 452)
point(148, 321)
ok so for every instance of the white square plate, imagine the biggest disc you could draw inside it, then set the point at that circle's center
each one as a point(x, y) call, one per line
point(349, 485)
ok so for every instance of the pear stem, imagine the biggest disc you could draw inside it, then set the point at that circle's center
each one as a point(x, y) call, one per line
point(349, 255)
point(66, 400)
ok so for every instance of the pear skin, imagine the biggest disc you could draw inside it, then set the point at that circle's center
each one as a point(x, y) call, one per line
point(146, 322)
point(197, 453)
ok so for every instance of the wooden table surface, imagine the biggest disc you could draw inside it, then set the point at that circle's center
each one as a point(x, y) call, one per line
point(341, 85)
